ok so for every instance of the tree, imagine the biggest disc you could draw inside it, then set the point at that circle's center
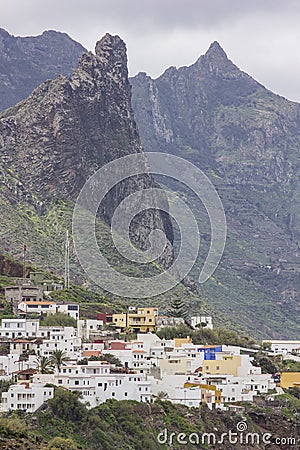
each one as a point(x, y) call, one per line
point(267, 364)
point(59, 320)
point(266, 346)
point(106, 357)
point(66, 406)
point(179, 331)
point(178, 309)
point(161, 395)
point(59, 358)
point(44, 364)
point(59, 443)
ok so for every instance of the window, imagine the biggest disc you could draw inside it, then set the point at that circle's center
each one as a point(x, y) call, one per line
point(76, 382)
point(125, 394)
point(100, 384)
point(59, 381)
point(112, 394)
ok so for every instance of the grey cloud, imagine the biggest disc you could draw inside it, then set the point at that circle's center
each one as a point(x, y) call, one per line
point(261, 37)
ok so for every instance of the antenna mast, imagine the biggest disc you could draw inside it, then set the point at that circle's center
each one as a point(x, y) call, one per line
point(67, 262)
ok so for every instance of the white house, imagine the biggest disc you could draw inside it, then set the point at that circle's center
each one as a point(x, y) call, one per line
point(88, 328)
point(173, 387)
point(282, 347)
point(71, 309)
point(205, 320)
point(26, 397)
point(13, 328)
point(97, 384)
point(8, 364)
point(37, 307)
point(60, 338)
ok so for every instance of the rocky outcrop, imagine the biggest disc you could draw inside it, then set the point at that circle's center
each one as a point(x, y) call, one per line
point(247, 140)
point(53, 141)
point(25, 62)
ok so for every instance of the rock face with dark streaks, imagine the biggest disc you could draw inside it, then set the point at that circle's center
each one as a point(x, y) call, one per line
point(54, 140)
point(247, 140)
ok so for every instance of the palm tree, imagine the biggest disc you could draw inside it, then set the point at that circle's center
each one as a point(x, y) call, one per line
point(59, 358)
point(44, 364)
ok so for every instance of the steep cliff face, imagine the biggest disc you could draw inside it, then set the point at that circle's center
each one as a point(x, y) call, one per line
point(68, 128)
point(25, 62)
point(247, 140)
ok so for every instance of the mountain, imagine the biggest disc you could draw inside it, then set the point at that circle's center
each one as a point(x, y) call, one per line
point(25, 62)
point(51, 143)
point(247, 140)
point(54, 140)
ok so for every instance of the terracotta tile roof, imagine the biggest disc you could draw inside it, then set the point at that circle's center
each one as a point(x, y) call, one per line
point(91, 353)
point(30, 302)
point(25, 372)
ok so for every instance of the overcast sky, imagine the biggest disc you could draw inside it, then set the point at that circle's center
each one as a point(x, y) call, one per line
point(262, 37)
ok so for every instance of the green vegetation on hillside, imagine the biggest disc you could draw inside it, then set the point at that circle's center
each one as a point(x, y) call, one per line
point(59, 320)
point(203, 335)
point(129, 425)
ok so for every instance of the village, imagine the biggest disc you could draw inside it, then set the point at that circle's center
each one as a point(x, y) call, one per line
point(92, 359)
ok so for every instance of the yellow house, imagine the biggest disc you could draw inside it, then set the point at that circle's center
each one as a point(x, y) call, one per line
point(228, 365)
point(120, 320)
point(289, 379)
point(180, 341)
point(142, 320)
point(206, 390)
point(174, 366)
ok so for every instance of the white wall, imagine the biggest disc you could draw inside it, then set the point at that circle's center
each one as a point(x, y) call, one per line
point(26, 398)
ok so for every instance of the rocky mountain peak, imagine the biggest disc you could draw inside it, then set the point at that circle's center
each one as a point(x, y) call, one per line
point(216, 63)
point(111, 49)
point(54, 140)
point(215, 51)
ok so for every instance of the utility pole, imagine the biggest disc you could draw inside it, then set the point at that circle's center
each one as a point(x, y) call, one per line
point(67, 261)
point(24, 261)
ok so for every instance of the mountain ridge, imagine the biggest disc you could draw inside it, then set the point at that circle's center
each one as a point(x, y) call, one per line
point(28, 61)
point(247, 141)
point(54, 140)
